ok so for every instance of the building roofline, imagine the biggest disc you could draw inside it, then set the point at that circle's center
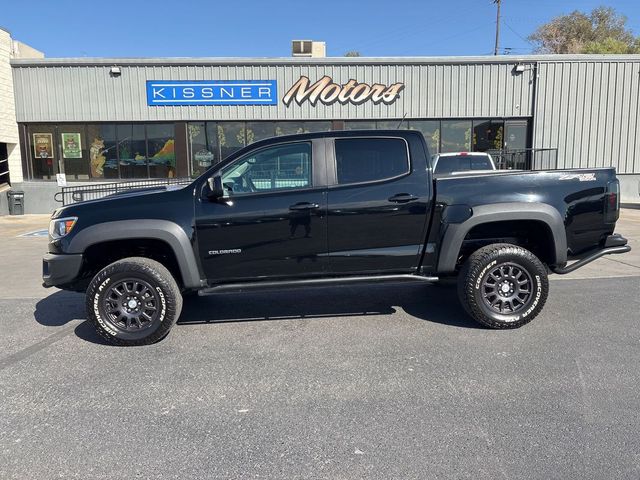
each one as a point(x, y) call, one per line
point(509, 59)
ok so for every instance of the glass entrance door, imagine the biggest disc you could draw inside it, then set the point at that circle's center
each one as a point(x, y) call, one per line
point(516, 157)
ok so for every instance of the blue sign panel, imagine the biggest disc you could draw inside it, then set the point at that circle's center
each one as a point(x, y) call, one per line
point(212, 92)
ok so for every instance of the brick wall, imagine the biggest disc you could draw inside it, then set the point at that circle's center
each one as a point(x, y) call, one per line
point(9, 49)
point(8, 125)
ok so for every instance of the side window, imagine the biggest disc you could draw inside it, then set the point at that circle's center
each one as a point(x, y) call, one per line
point(281, 167)
point(369, 159)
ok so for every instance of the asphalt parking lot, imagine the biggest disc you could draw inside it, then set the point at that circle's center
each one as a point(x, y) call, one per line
point(358, 382)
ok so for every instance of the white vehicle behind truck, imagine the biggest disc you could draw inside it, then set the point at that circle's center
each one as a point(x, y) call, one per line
point(457, 163)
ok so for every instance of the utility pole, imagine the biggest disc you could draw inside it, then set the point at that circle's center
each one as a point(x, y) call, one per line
point(495, 50)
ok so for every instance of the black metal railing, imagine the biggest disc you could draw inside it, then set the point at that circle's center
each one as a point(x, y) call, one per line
point(526, 159)
point(80, 193)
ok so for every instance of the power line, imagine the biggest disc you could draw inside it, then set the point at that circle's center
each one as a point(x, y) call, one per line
point(521, 37)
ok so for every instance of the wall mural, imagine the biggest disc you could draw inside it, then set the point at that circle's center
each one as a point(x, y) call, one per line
point(328, 92)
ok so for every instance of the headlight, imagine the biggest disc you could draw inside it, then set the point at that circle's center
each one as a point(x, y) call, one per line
point(60, 227)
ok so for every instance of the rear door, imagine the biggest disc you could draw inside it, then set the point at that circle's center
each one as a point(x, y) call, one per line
point(378, 201)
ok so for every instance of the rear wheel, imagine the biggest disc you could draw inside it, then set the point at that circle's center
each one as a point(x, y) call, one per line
point(503, 286)
point(134, 301)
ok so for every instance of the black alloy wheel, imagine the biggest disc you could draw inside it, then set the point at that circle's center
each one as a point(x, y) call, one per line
point(503, 285)
point(507, 288)
point(131, 305)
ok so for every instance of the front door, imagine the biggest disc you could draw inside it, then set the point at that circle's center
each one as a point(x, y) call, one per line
point(378, 211)
point(272, 221)
point(515, 144)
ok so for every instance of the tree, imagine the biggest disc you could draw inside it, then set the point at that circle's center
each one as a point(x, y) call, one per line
point(352, 53)
point(601, 31)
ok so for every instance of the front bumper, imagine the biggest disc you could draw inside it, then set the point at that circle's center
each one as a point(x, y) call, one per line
point(58, 270)
point(613, 244)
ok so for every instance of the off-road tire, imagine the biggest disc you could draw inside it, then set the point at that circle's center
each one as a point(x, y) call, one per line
point(155, 289)
point(486, 273)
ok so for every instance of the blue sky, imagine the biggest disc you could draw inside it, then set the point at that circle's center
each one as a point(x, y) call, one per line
point(252, 28)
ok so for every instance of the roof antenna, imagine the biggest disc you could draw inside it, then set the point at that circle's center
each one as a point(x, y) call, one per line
point(403, 117)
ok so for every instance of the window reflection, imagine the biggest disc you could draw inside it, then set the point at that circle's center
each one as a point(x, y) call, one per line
point(488, 135)
point(161, 152)
point(430, 129)
point(456, 136)
point(259, 131)
point(316, 126)
point(132, 151)
point(360, 125)
point(289, 128)
point(231, 137)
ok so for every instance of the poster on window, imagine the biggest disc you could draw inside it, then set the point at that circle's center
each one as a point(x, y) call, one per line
point(43, 145)
point(71, 146)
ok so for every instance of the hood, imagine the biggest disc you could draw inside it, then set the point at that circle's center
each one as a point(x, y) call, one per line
point(130, 199)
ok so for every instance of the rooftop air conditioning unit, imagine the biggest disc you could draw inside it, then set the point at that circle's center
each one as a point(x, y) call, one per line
point(301, 48)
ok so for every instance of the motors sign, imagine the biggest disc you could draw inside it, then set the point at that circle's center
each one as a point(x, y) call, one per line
point(328, 92)
point(212, 92)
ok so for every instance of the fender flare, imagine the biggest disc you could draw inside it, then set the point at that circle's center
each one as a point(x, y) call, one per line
point(163, 230)
point(455, 233)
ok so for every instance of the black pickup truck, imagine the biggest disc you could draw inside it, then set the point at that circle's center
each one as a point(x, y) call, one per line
point(331, 207)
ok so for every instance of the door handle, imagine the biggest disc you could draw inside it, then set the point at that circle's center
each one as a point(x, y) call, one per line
point(402, 198)
point(304, 206)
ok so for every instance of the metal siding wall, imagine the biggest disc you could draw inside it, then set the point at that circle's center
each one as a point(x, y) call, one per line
point(589, 110)
point(87, 92)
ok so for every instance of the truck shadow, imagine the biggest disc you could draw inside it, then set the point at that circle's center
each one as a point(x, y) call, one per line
point(432, 304)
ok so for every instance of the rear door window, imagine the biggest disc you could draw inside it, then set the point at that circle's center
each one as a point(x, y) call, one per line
point(361, 160)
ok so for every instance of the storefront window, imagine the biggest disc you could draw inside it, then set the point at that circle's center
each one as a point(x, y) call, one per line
point(430, 129)
point(201, 156)
point(103, 155)
point(456, 135)
point(231, 137)
point(132, 151)
point(43, 151)
point(320, 126)
point(203, 145)
point(110, 151)
point(289, 128)
point(359, 125)
point(259, 131)
point(488, 135)
point(161, 152)
point(75, 153)
point(392, 125)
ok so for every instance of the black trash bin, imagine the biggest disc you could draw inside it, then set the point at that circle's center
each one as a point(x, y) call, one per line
point(16, 202)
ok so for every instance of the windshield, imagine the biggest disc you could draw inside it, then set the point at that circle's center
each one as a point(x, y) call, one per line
point(463, 163)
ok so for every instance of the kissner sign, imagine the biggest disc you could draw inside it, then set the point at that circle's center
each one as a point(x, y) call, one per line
point(328, 92)
point(212, 92)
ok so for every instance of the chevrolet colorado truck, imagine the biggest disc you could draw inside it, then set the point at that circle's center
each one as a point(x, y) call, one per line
point(325, 208)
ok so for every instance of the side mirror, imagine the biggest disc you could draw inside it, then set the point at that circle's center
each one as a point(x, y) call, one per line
point(215, 188)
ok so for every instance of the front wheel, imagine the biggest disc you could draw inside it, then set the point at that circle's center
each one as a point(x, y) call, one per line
point(503, 286)
point(134, 301)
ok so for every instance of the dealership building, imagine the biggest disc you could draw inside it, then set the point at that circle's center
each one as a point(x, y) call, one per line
point(98, 120)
